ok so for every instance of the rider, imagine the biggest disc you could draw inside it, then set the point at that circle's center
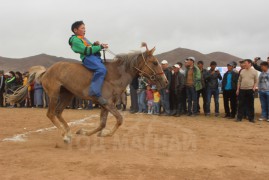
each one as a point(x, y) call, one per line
point(91, 58)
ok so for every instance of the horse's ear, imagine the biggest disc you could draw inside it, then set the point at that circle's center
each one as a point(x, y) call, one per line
point(150, 53)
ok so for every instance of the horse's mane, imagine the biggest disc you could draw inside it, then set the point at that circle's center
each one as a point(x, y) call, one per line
point(129, 60)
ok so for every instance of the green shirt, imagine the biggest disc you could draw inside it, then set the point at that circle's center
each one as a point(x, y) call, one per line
point(78, 46)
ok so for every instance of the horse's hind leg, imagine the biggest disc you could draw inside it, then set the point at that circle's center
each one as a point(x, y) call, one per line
point(113, 110)
point(51, 113)
point(64, 100)
point(102, 125)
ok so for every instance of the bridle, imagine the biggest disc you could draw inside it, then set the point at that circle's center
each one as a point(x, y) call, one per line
point(143, 73)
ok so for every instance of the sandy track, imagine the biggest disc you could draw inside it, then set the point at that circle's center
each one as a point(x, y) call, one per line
point(145, 147)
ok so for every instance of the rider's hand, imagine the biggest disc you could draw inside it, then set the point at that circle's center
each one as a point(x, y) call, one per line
point(96, 43)
point(104, 46)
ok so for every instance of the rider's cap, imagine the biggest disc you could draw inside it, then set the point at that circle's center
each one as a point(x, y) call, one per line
point(176, 65)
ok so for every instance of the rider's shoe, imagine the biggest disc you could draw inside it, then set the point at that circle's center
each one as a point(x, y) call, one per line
point(102, 101)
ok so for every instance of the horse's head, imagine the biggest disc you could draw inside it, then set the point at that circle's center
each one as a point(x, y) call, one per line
point(150, 68)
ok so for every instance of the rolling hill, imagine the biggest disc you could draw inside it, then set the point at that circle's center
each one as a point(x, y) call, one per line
point(180, 54)
point(176, 55)
point(23, 64)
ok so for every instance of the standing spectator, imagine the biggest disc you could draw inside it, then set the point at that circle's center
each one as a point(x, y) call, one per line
point(177, 83)
point(212, 79)
point(193, 84)
point(156, 100)
point(27, 98)
point(79, 103)
point(149, 98)
point(181, 70)
point(165, 91)
point(242, 66)
point(2, 88)
point(133, 94)
point(229, 86)
point(264, 91)
point(246, 87)
point(202, 92)
point(38, 96)
point(184, 91)
point(10, 85)
point(11, 82)
point(234, 67)
point(19, 83)
point(256, 66)
point(141, 94)
point(19, 79)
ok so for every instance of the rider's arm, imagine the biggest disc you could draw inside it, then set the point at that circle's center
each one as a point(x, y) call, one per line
point(79, 47)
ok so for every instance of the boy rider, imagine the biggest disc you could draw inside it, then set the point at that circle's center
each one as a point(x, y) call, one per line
point(90, 56)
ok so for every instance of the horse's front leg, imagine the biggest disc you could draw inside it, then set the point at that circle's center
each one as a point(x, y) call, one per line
point(113, 110)
point(102, 125)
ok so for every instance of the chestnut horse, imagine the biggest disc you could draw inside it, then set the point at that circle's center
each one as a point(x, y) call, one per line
point(64, 80)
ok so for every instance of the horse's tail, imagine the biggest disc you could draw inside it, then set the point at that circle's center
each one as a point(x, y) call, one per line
point(35, 74)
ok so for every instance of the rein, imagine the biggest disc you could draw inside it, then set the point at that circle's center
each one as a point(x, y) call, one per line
point(151, 77)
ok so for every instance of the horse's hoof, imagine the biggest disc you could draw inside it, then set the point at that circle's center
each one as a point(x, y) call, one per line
point(104, 133)
point(79, 131)
point(82, 132)
point(67, 139)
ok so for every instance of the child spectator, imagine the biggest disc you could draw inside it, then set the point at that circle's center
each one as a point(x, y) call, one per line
point(149, 98)
point(156, 100)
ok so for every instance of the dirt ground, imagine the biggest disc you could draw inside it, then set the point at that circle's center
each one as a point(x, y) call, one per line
point(144, 147)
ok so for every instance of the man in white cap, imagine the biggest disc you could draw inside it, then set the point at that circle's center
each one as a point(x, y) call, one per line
point(165, 91)
point(177, 84)
point(193, 84)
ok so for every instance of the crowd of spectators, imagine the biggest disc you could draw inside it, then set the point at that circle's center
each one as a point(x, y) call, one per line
point(36, 97)
point(189, 82)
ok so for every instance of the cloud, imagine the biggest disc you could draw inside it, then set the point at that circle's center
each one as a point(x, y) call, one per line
point(237, 27)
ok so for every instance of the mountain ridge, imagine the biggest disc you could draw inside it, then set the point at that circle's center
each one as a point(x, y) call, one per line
point(173, 56)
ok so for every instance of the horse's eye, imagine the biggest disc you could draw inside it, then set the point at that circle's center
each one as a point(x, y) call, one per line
point(155, 63)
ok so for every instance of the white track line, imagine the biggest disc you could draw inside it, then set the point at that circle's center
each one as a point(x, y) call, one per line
point(21, 137)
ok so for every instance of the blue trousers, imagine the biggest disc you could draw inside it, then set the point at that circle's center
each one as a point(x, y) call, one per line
point(165, 100)
point(94, 63)
point(215, 93)
point(38, 97)
point(264, 98)
point(192, 100)
point(141, 100)
point(156, 107)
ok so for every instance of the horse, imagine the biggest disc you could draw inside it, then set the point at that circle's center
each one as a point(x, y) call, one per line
point(64, 80)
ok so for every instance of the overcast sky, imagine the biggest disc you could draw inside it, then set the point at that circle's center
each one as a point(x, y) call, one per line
point(238, 27)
